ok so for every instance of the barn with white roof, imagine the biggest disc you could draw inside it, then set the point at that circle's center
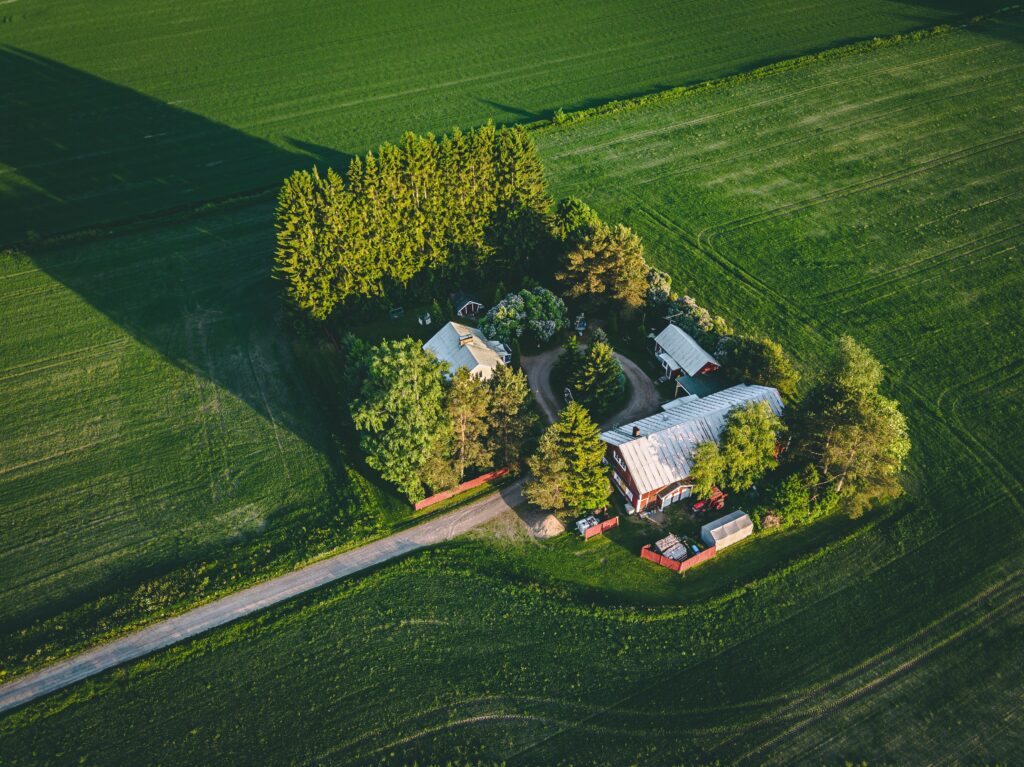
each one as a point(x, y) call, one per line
point(651, 458)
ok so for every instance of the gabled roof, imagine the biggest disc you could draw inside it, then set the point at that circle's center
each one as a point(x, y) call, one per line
point(681, 349)
point(663, 452)
point(460, 299)
point(477, 352)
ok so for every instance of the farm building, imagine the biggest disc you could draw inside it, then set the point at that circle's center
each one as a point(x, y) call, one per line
point(651, 458)
point(464, 347)
point(728, 530)
point(680, 355)
point(465, 305)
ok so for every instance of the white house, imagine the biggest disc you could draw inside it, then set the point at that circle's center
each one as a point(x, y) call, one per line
point(679, 354)
point(464, 347)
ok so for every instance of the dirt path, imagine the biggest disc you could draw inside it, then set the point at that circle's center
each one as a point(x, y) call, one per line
point(643, 400)
point(234, 606)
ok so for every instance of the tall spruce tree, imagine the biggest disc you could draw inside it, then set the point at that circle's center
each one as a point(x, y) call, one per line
point(568, 474)
point(467, 405)
point(607, 264)
point(510, 419)
point(598, 380)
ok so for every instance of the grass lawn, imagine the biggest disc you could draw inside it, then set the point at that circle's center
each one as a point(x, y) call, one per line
point(123, 112)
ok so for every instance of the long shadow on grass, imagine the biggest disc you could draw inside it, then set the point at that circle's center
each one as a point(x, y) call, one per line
point(196, 288)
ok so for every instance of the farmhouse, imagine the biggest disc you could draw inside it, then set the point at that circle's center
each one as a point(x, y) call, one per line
point(464, 347)
point(680, 355)
point(465, 305)
point(651, 458)
point(726, 531)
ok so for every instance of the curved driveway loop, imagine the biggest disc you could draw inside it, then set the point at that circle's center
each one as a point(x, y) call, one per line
point(234, 606)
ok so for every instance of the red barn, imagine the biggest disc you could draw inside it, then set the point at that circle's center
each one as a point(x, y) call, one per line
point(651, 458)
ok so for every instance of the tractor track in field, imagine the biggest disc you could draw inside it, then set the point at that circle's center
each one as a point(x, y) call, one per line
point(706, 237)
point(924, 263)
point(840, 129)
point(820, 711)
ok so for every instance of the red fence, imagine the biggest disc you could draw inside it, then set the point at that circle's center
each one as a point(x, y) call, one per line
point(608, 524)
point(460, 489)
point(647, 553)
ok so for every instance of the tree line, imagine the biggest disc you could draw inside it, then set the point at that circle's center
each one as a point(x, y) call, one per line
point(443, 208)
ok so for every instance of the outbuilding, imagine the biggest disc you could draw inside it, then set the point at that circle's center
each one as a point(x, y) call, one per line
point(727, 530)
point(680, 355)
point(465, 305)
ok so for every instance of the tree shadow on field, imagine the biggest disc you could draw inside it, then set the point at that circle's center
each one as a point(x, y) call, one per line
point(84, 154)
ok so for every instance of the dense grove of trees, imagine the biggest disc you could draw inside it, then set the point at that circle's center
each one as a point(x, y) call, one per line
point(422, 433)
point(440, 207)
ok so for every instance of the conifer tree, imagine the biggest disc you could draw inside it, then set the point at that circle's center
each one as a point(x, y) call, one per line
point(568, 474)
point(607, 264)
point(467, 405)
point(598, 380)
point(510, 418)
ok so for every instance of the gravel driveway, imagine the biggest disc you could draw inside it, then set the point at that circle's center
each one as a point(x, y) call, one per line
point(644, 398)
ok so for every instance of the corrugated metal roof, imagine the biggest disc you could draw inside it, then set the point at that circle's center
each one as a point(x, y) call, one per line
point(478, 353)
point(683, 350)
point(663, 452)
point(727, 530)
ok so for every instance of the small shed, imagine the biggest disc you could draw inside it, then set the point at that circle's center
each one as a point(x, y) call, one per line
point(679, 354)
point(727, 530)
point(465, 305)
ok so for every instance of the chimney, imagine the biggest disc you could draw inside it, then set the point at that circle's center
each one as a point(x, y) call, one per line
point(636, 431)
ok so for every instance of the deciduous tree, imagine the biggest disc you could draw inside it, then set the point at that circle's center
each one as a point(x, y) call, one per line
point(400, 413)
point(749, 444)
point(762, 361)
point(708, 469)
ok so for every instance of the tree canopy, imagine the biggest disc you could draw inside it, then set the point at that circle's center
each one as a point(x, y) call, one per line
point(608, 263)
point(855, 437)
point(536, 310)
point(511, 419)
point(400, 413)
point(762, 361)
point(568, 474)
point(597, 380)
point(707, 469)
point(749, 444)
point(445, 207)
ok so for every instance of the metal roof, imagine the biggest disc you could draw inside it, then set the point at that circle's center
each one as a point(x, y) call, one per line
point(727, 530)
point(478, 355)
point(663, 452)
point(682, 350)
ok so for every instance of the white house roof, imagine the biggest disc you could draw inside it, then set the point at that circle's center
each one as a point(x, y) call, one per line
point(663, 452)
point(682, 351)
point(727, 530)
point(464, 347)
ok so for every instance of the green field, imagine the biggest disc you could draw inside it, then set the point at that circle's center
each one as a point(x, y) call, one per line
point(125, 110)
point(165, 434)
point(877, 194)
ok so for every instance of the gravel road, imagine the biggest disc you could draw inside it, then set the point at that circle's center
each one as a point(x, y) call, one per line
point(234, 606)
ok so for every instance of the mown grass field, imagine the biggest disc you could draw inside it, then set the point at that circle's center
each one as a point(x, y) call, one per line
point(165, 435)
point(876, 194)
point(125, 110)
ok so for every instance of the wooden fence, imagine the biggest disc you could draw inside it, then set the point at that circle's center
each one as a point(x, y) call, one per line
point(608, 524)
point(649, 554)
point(444, 496)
